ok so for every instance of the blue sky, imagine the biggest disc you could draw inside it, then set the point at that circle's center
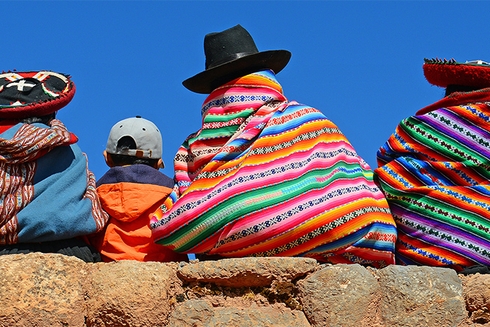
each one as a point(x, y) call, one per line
point(359, 62)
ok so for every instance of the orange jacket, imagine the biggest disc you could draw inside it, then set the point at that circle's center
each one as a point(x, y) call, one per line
point(127, 235)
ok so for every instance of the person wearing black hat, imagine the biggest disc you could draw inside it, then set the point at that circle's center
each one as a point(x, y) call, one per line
point(265, 176)
point(48, 201)
point(435, 172)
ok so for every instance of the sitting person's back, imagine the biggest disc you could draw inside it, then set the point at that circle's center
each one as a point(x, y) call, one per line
point(131, 190)
point(48, 201)
point(265, 176)
point(435, 172)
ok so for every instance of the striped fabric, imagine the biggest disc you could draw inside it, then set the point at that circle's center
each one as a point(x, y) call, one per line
point(17, 169)
point(435, 172)
point(268, 177)
point(47, 192)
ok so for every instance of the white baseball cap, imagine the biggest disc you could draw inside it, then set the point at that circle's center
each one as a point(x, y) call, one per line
point(145, 134)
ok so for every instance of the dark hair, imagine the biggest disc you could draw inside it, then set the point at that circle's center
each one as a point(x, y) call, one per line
point(41, 119)
point(126, 143)
point(460, 88)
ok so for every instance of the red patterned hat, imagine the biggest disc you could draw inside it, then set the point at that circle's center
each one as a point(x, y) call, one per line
point(33, 94)
point(442, 72)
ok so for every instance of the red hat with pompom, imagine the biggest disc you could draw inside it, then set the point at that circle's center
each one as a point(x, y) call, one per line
point(442, 72)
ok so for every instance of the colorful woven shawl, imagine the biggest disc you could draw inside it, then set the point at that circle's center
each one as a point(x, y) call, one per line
point(268, 177)
point(18, 167)
point(435, 172)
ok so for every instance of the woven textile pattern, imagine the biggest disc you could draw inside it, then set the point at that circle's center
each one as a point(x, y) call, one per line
point(17, 171)
point(56, 199)
point(268, 177)
point(435, 171)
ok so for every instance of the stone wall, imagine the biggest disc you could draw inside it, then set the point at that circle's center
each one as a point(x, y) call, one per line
point(56, 290)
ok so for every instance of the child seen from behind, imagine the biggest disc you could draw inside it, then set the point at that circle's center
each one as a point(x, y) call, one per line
point(132, 189)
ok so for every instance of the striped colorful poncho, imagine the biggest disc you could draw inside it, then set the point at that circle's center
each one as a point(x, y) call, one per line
point(268, 177)
point(435, 172)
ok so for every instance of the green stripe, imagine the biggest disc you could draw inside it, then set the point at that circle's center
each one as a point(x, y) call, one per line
point(255, 200)
point(219, 132)
point(430, 143)
point(214, 133)
point(210, 118)
point(445, 206)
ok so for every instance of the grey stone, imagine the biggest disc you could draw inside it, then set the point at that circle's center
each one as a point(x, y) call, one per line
point(421, 296)
point(340, 295)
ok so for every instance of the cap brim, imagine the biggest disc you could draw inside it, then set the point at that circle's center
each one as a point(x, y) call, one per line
point(206, 81)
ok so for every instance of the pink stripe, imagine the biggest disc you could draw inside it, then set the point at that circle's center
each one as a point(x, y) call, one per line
point(258, 183)
point(272, 211)
point(315, 194)
point(290, 223)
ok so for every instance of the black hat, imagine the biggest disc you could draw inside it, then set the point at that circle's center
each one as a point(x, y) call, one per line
point(231, 54)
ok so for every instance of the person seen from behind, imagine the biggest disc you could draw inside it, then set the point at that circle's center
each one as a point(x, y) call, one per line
point(48, 201)
point(435, 172)
point(132, 189)
point(268, 177)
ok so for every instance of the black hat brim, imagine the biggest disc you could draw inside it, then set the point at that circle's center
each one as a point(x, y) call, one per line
point(205, 82)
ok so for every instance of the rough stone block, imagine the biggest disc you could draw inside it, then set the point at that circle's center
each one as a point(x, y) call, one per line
point(340, 295)
point(476, 291)
point(421, 296)
point(131, 293)
point(197, 313)
point(41, 290)
point(247, 272)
